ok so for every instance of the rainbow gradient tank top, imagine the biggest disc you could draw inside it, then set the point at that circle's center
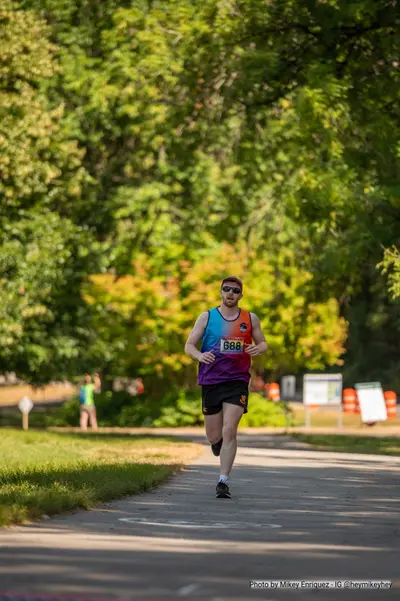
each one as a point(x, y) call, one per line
point(227, 339)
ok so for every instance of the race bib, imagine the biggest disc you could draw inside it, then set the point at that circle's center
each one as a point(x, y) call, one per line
point(232, 345)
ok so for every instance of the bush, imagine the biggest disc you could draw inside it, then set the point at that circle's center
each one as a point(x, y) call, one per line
point(110, 404)
point(176, 409)
point(185, 411)
point(263, 412)
point(66, 415)
point(115, 409)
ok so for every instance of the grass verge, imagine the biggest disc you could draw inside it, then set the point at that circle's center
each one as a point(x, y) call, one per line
point(351, 444)
point(42, 473)
point(326, 417)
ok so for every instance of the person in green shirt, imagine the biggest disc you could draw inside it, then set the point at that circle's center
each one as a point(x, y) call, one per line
point(86, 400)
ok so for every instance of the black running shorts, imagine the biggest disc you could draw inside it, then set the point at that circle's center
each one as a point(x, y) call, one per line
point(235, 392)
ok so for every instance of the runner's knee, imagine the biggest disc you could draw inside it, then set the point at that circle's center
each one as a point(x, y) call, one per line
point(229, 432)
point(214, 434)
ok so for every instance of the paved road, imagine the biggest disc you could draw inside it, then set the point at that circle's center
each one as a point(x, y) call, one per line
point(296, 515)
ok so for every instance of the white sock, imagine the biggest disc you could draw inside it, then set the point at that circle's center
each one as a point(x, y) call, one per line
point(223, 479)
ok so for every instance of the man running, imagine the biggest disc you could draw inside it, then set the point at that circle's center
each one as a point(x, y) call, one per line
point(230, 337)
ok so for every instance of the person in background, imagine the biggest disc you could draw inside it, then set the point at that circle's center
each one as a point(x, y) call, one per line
point(86, 400)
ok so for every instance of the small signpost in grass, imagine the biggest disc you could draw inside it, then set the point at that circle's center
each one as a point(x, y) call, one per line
point(25, 406)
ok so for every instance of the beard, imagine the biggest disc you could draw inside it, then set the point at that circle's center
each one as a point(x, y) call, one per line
point(230, 302)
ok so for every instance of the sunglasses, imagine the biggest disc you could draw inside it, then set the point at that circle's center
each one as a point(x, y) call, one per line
point(234, 289)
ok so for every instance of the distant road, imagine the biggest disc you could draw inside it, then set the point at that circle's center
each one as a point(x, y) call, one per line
point(11, 395)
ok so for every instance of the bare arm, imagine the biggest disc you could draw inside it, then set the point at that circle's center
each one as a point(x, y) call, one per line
point(194, 338)
point(260, 344)
point(97, 383)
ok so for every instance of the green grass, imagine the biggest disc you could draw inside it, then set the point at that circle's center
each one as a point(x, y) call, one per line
point(352, 444)
point(326, 417)
point(42, 473)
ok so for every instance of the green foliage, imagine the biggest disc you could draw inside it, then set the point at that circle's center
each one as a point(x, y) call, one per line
point(42, 331)
point(178, 408)
point(184, 411)
point(171, 134)
point(40, 163)
point(124, 410)
point(391, 266)
point(265, 413)
point(156, 312)
point(66, 415)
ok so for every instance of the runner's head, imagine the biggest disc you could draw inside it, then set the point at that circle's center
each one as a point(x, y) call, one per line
point(88, 379)
point(231, 291)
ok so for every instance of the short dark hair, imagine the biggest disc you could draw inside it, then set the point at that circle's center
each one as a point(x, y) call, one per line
point(233, 278)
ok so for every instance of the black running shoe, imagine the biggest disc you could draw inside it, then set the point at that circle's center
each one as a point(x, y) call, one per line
point(216, 448)
point(223, 491)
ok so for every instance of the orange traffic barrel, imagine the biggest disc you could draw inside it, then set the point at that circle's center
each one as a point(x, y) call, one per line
point(273, 391)
point(350, 401)
point(390, 401)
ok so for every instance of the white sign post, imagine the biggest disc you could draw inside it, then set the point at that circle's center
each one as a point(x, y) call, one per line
point(25, 406)
point(322, 389)
point(372, 402)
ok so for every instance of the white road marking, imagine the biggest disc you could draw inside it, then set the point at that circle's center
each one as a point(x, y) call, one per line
point(186, 590)
point(187, 524)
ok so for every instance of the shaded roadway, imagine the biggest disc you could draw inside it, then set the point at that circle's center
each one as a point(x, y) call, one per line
point(296, 514)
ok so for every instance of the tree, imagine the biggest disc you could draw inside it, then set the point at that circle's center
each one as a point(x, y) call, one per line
point(146, 317)
point(42, 261)
point(169, 129)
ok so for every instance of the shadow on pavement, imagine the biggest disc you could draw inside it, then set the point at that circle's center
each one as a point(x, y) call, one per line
point(284, 522)
point(294, 515)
